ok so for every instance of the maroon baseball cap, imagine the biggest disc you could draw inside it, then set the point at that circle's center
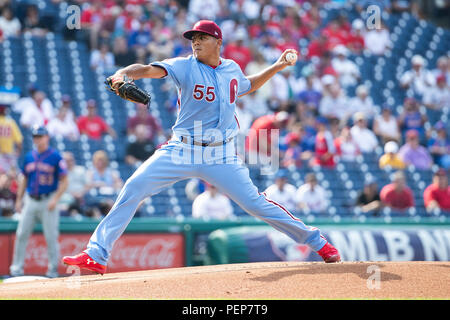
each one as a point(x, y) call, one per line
point(205, 26)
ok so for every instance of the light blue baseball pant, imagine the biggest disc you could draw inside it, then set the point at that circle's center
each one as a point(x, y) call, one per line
point(177, 161)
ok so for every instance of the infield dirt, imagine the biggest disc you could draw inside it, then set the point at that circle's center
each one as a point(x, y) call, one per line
point(267, 280)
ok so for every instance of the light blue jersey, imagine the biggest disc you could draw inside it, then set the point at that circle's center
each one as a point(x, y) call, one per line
point(206, 96)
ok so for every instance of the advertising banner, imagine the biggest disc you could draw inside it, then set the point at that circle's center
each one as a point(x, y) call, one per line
point(257, 244)
point(131, 252)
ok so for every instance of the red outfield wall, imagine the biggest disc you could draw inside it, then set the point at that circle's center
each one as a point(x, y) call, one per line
point(132, 252)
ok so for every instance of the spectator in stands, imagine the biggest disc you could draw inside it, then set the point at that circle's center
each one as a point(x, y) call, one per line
point(66, 102)
point(397, 195)
point(437, 195)
point(438, 97)
point(311, 95)
point(140, 37)
point(385, 126)
point(37, 111)
point(335, 103)
point(7, 196)
point(259, 140)
point(369, 198)
point(11, 140)
point(346, 148)
point(356, 37)
point(34, 23)
point(10, 26)
point(336, 32)
point(123, 56)
point(363, 103)
point(418, 78)
point(363, 136)
point(211, 204)
point(143, 117)
point(92, 17)
point(63, 125)
point(102, 59)
point(311, 196)
point(162, 45)
point(284, 89)
point(92, 125)
point(439, 146)
point(325, 67)
point(294, 153)
point(318, 47)
point(442, 69)
point(205, 9)
point(347, 70)
point(236, 50)
point(103, 185)
point(72, 200)
point(282, 192)
point(378, 41)
point(412, 153)
point(324, 145)
point(411, 118)
point(391, 158)
point(140, 149)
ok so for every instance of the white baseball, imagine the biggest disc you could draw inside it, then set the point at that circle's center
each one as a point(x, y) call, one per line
point(291, 57)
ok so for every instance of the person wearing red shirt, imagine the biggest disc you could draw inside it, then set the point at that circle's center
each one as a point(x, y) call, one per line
point(356, 38)
point(336, 34)
point(324, 145)
point(397, 195)
point(255, 142)
point(437, 194)
point(93, 125)
point(237, 51)
point(143, 117)
point(318, 47)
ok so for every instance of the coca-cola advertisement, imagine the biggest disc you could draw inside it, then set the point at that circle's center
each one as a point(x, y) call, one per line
point(131, 252)
point(5, 253)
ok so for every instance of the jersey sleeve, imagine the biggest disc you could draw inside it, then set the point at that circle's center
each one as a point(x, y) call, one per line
point(175, 68)
point(244, 85)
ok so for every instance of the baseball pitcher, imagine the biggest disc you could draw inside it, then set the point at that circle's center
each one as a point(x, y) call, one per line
point(208, 87)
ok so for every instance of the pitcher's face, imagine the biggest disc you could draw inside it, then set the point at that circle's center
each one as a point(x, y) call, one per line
point(204, 45)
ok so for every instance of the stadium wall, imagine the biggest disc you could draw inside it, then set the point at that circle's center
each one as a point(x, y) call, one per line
point(157, 243)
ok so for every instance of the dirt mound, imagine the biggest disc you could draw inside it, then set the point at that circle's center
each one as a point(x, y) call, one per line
point(268, 280)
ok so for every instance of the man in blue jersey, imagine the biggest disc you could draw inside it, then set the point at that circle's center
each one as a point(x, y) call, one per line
point(201, 146)
point(43, 181)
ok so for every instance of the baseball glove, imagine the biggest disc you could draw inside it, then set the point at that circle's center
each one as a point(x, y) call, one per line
point(128, 90)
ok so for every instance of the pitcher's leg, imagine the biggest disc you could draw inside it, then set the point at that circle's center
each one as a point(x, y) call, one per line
point(234, 181)
point(150, 178)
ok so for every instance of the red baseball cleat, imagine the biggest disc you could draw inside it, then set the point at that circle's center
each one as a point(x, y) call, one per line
point(329, 253)
point(83, 261)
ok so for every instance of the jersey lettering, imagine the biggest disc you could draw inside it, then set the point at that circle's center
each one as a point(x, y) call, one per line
point(199, 93)
point(233, 90)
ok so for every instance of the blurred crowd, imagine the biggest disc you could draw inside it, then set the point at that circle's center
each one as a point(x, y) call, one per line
point(323, 109)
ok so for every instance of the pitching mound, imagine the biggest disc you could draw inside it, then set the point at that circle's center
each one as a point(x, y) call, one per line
point(269, 280)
